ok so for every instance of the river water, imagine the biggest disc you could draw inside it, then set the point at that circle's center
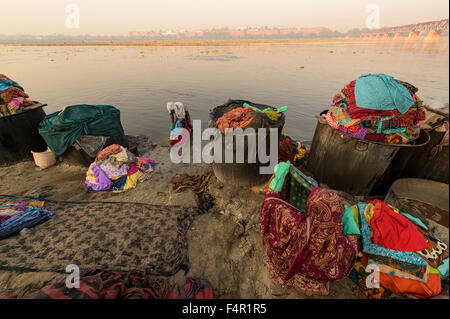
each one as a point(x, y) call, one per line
point(141, 80)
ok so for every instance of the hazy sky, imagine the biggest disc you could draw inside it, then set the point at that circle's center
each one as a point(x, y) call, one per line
point(117, 17)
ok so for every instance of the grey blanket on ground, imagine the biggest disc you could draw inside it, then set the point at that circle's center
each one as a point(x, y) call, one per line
point(98, 235)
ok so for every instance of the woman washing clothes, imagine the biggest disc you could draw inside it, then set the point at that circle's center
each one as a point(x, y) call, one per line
point(179, 119)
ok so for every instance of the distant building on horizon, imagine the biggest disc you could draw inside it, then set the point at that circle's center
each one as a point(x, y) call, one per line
point(230, 33)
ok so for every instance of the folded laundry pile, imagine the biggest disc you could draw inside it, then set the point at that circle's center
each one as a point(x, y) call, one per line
point(378, 108)
point(117, 169)
point(13, 99)
point(399, 254)
point(17, 216)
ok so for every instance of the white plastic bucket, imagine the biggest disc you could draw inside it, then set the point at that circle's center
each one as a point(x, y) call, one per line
point(44, 159)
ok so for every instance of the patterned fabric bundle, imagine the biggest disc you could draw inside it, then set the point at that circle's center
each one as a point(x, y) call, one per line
point(117, 169)
point(389, 238)
point(238, 118)
point(307, 251)
point(391, 116)
point(117, 236)
point(12, 97)
point(100, 284)
point(292, 151)
point(15, 217)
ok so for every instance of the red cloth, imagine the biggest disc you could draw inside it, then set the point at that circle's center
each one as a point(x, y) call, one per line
point(4, 217)
point(375, 137)
point(100, 284)
point(393, 230)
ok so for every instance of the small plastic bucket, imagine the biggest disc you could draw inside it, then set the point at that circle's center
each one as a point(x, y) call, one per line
point(44, 159)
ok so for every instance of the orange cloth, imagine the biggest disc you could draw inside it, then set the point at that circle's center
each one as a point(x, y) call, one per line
point(405, 286)
point(402, 286)
point(239, 117)
point(107, 151)
point(393, 230)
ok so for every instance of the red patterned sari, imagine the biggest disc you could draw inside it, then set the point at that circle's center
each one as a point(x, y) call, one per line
point(307, 251)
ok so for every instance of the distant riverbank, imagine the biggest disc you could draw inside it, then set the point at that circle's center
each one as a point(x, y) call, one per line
point(198, 42)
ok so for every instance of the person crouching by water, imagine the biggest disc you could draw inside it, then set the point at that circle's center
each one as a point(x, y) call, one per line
point(179, 120)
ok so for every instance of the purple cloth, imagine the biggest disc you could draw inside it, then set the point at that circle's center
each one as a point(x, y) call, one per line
point(361, 133)
point(149, 160)
point(103, 181)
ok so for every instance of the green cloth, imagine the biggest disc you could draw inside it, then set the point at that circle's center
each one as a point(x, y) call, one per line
point(61, 129)
point(280, 110)
point(349, 220)
point(280, 170)
point(443, 269)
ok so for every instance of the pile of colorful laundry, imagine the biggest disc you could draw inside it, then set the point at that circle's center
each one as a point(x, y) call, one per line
point(379, 108)
point(241, 117)
point(13, 99)
point(17, 216)
point(399, 254)
point(313, 238)
point(291, 150)
point(117, 169)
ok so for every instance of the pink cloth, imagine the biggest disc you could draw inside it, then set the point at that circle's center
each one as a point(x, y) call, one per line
point(16, 103)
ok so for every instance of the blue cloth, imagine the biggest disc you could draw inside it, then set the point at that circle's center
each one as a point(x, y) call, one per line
point(120, 183)
point(374, 249)
point(382, 92)
point(31, 217)
point(415, 220)
point(61, 129)
point(443, 269)
point(6, 84)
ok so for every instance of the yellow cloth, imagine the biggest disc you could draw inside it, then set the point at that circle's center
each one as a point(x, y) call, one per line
point(272, 114)
point(90, 175)
point(368, 212)
point(11, 110)
point(301, 152)
point(132, 181)
point(39, 204)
